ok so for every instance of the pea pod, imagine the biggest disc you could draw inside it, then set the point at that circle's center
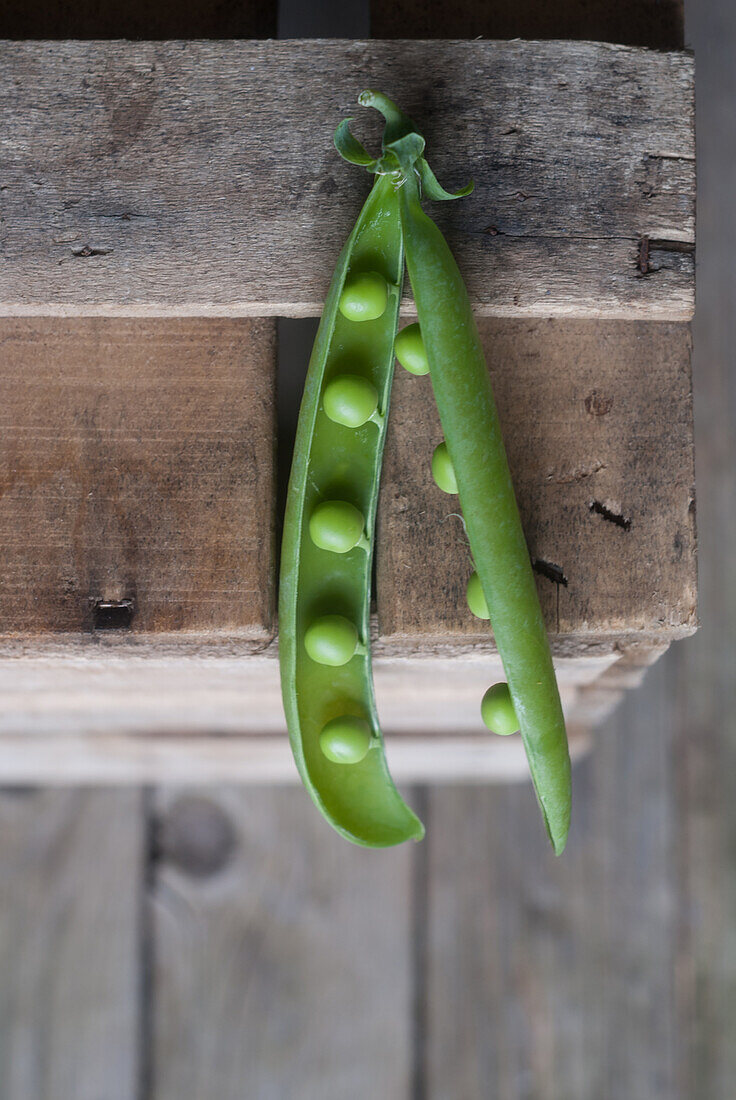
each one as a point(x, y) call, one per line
point(462, 391)
point(324, 595)
point(323, 604)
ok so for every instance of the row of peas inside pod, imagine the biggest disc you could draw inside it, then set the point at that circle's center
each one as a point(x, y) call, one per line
point(338, 526)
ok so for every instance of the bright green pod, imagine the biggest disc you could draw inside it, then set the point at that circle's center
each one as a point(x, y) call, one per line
point(470, 425)
point(337, 454)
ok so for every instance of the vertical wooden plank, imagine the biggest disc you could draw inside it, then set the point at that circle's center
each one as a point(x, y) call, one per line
point(70, 903)
point(702, 672)
point(281, 953)
point(554, 978)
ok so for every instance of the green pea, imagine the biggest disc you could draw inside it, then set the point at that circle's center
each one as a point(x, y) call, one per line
point(331, 640)
point(337, 525)
point(410, 351)
point(350, 400)
point(476, 598)
point(443, 471)
point(364, 296)
point(345, 740)
point(497, 710)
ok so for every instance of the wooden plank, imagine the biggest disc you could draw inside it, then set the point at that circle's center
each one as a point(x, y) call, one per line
point(88, 718)
point(656, 23)
point(282, 954)
point(556, 978)
point(597, 420)
point(70, 937)
point(137, 464)
point(191, 201)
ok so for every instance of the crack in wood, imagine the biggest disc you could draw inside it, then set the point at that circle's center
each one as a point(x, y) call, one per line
point(549, 570)
point(600, 509)
point(88, 250)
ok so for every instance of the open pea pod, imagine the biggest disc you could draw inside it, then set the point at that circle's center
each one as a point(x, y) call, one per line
point(330, 516)
point(324, 594)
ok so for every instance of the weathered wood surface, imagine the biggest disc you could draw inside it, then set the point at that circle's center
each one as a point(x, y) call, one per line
point(90, 717)
point(71, 885)
point(657, 23)
point(273, 978)
point(597, 421)
point(556, 978)
point(137, 463)
point(145, 178)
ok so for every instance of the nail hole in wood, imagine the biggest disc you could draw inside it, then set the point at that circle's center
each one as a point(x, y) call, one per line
point(113, 614)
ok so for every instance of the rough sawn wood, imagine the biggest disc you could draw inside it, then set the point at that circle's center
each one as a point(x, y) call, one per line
point(179, 178)
point(137, 464)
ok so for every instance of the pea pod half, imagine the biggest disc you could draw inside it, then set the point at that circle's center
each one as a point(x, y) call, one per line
point(324, 595)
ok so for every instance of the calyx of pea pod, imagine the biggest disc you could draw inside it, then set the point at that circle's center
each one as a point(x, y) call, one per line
point(402, 149)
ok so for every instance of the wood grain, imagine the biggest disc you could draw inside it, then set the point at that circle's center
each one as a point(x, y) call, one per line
point(137, 463)
point(283, 955)
point(597, 421)
point(555, 978)
point(91, 713)
point(70, 903)
point(173, 178)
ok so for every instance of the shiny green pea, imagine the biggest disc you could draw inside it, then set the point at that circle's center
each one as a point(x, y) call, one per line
point(331, 640)
point(337, 525)
point(443, 471)
point(350, 400)
point(364, 296)
point(476, 598)
point(345, 740)
point(409, 350)
point(497, 711)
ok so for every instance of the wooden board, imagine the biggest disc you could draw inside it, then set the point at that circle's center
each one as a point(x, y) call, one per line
point(174, 179)
point(137, 464)
point(273, 977)
point(554, 977)
point(597, 421)
point(91, 714)
point(657, 23)
point(71, 880)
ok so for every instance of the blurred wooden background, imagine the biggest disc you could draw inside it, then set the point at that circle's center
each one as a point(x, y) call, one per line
point(221, 943)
